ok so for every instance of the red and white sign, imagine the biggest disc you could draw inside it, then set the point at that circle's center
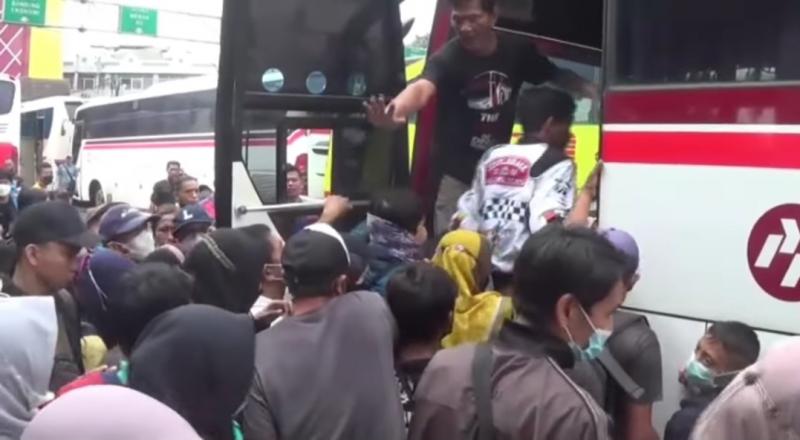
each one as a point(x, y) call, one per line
point(773, 252)
point(14, 43)
point(508, 171)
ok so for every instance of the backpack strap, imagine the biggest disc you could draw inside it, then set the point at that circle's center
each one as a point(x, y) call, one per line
point(68, 309)
point(620, 376)
point(482, 387)
point(612, 366)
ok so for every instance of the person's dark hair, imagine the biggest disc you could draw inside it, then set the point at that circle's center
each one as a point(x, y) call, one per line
point(227, 266)
point(184, 179)
point(163, 255)
point(173, 162)
point(146, 292)
point(204, 187)
point(292, 169)
point(558, 260)
point(536, 104)
point(401, 207)
point(30, 196)
point(421, 297)
point(486, 5)
point(738, 339)
point(6, 175)
point(44, 165)
point(167, 209)
point(8, 257)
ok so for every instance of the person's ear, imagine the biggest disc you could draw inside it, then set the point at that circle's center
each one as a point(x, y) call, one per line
point(565, 311)
point(340, 285)
point(32, 253)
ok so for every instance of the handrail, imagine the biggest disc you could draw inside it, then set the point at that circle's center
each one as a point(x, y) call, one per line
point(281, 208)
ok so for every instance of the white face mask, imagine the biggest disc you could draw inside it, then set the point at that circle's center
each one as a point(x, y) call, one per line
point(142, 245)
point(5, 189)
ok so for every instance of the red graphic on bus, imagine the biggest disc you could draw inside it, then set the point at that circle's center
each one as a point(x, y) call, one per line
point(773, 252)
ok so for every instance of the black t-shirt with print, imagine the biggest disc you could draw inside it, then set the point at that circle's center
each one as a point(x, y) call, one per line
point(477, 96)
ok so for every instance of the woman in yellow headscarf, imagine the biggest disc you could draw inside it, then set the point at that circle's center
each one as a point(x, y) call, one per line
point(466, 256)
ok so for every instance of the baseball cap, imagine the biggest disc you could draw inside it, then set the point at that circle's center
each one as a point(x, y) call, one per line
point(121, 220)
point(192, 215)
point(316, 254)
point(625, 243)
point(761, 403)
point(52, 222)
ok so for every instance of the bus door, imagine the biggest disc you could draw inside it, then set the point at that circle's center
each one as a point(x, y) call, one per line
point(292, 70)
point(700, 133)
point(569, 32)
point(35, 133)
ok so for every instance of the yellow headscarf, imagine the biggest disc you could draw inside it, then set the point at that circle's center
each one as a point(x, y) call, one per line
point(477, 315)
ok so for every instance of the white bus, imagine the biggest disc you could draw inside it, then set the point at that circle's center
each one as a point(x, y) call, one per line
point(122, 145)
point(47, 127)
point(10, 103)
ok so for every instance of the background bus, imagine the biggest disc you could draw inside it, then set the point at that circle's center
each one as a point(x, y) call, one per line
point(122, 144)
point(46, 134)
point(10, 104)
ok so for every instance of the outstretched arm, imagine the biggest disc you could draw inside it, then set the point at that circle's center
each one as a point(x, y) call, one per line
point(396, 112)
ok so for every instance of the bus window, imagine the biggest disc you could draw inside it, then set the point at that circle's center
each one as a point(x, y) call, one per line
point(6, 96)
point(691, 41)
point(71, 107)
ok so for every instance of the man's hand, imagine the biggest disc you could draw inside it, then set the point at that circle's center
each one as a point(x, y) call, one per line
point(382, 114)
point(591, 91)
point(335, 208)
point(264, 319)
point(593, 182)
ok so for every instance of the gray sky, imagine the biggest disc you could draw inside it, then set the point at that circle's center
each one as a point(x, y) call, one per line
point(105, 17)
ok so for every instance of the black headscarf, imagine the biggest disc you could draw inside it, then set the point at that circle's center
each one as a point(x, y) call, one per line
point(227, 266)
point(198, 360)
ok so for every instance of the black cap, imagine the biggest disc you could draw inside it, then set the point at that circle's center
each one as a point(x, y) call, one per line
point(317, 254)
point(52, 222)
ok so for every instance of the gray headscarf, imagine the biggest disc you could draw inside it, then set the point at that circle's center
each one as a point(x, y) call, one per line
point(28, 333)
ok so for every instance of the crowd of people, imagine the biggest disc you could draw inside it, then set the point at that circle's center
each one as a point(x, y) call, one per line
point(152, 323)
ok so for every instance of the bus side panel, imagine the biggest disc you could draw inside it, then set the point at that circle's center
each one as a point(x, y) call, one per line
point(692, 224)
point(127, 173)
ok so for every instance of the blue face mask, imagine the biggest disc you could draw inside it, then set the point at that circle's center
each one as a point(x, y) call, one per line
point(698, 375)
point(597, 341)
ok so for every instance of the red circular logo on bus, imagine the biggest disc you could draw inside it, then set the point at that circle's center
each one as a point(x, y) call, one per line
point(773, 252)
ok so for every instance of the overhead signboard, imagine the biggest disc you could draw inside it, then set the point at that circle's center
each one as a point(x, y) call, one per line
point(138, 21)
point(29, 12)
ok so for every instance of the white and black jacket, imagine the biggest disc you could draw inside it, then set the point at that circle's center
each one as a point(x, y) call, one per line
point(517, 190)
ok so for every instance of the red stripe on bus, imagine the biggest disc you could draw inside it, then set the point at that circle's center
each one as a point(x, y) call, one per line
point(722, 105)
point(760, 150)
point(155, 145)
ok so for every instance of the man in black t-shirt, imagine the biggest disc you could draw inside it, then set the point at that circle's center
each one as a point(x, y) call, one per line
point(476, 77)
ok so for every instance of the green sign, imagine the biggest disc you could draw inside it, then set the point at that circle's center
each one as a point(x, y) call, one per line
point(138, 21)
point(30, 12)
